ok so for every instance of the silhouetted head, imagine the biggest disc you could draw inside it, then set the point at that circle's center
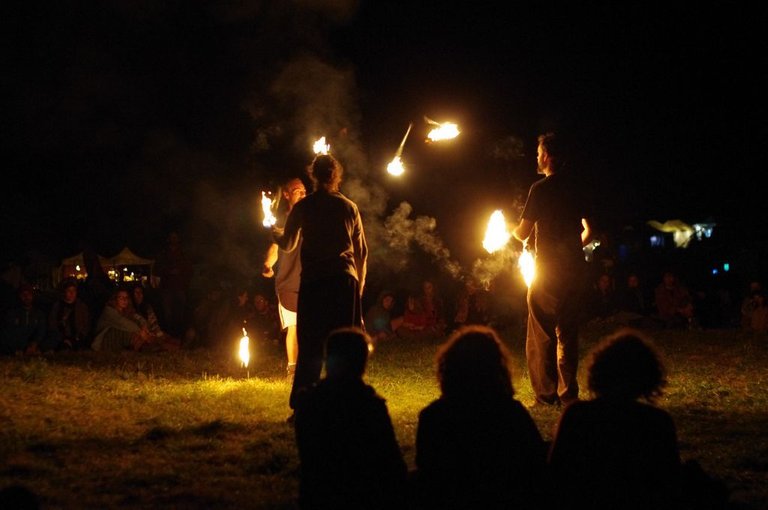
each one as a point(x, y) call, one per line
point(625, 365)
point(551, 153)
point(326, 172)
point(18, 497)
point(473, 364)
point(346, 353)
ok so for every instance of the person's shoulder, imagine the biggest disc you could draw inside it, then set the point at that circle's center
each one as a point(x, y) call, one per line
point(436, 407)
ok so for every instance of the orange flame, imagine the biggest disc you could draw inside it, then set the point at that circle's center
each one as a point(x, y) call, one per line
point(320, 147)
point(244, 353)
point(496, 234)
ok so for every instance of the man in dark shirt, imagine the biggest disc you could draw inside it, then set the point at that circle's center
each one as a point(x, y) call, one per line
point(559, 215)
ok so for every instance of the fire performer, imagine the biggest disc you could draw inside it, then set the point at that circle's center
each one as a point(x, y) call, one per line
point(559, 215)
point(287, 279)
point(333, 257)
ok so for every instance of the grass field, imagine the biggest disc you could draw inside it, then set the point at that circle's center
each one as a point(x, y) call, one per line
point(195, 430)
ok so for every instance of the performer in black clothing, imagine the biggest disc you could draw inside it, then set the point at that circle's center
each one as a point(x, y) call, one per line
point(559, 215)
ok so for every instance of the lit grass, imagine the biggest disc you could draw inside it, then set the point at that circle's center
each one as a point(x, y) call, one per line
point(195, 430)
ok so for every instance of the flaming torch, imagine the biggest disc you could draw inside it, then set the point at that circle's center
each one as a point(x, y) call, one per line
point(496, 234)
point(444, 131)
point(527, 266)
point(320, 147)
point(395, 167)
point(245, 352)
point(266, 208)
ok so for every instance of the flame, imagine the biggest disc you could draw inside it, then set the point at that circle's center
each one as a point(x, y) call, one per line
point(527, 266)
point(496, 235)
point(395, 167)
point(445, 131)
point(244, 353)
point(266, 208)
point(320, 147)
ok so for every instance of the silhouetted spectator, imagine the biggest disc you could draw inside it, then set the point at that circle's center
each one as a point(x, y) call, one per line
point(145, 309)
point(415, 321)
point(69, 321)
point(350, 457)
point(379, 320)
point(472, 306)
point(758, 318)
point(98, 287)
point(264, 320)
point(602, 302)
point(174, 271)
point(674, 303)
point(433, 306)
point(477, 446)
point(120, 328)
point(210, 321)
point(18, 497)
point(619, 450)
point(633, 296)
point(23, 325)
point(748, 303)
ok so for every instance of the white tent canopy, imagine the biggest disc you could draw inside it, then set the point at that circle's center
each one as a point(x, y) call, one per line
point(74, 266)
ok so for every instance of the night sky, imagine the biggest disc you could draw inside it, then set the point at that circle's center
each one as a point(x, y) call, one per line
point(125, 120)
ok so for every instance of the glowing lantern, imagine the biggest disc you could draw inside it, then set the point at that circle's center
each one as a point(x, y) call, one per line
point(266, 208)
point(320, 147)
point(496, 234)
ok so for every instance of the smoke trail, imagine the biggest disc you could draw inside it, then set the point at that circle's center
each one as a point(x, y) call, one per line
point(402, 232)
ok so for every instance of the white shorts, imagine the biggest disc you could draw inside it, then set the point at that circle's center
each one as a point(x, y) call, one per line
point(287, 317)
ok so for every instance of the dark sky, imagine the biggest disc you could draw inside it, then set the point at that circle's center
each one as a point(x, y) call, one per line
point(125, 120)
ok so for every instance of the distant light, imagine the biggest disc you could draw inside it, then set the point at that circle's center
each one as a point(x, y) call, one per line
point(656, 241)
point(726, 267)
point(715, 271)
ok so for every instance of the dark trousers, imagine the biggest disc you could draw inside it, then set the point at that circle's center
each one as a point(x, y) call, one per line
point(552, 342)
point(324, 305)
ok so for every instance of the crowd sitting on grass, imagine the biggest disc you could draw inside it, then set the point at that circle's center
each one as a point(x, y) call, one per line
point(478, 447)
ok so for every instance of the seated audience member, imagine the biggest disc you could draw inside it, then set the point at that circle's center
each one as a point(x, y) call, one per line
point(379, 320)
point(674, 303)
point(434, 307)
point(348, 451)
point(758, 317)
point(619, 450)
point(477, 446)
point(24, 325)
point(602, 302)
point(69, 321)
point(264, 320)
point(748, 304)
point(415, 320)
point(472, 306)
point(147, 312)
point(209, 321)
point(120, 328)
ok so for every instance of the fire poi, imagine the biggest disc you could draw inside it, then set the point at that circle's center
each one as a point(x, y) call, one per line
point(444, 131)
point(266, 208)
point(395, 167)
point(245, 350)
point(496, 235)
point(527, 266)
point(321, 147)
